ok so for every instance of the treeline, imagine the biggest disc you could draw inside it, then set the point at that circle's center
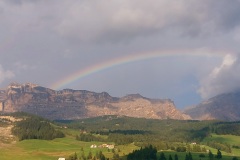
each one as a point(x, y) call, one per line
point(190, 130)
point(222, 146)
point(150, 153)
point(147, 153)
point(125, 132)
point(35, 128)
point(89, 138)
point(165, 130)
point(97, 156)
point(227, 128)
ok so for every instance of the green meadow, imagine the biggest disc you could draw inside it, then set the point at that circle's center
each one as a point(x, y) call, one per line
point(53, 149)
point(63, 147)
point(171, 133)
point(228, 139)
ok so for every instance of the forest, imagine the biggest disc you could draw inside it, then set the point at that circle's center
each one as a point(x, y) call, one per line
point(169, 134)
point(149, 135)
point(33, 127)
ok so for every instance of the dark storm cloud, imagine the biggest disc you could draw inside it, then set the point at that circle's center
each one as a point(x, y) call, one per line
point(126, 20)
point(42, 38)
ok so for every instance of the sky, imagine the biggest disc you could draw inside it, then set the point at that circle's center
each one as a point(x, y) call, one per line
point(183, 50)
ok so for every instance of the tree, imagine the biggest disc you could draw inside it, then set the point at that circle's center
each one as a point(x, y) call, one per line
point(115, 156)
point(73, 157)
point(170, 157)
point(190, 156)
point(162, 156)
point(219, 154)
point(234, 158)
point(83, 156)
point(148, 153)
point(101, 156)
point(89, 155)
point(210, 155)
point(175, 157)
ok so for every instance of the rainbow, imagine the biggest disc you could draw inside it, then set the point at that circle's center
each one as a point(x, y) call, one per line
point(129, 59)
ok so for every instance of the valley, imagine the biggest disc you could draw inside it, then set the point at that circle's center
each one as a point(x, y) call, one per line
point(41, 123)
point(168, 136)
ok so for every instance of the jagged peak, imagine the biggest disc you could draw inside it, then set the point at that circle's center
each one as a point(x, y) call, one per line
point(137, 95)
point(18, 85)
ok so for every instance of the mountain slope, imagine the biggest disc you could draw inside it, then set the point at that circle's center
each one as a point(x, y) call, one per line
point(223, 107)
point(77, 104)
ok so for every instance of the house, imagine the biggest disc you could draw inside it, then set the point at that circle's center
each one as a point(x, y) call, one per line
point(93, 146)
point(110, 146)
point(61, 159)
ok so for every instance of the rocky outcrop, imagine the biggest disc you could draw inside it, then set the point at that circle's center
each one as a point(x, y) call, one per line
point(77, 104)
point(222, 107)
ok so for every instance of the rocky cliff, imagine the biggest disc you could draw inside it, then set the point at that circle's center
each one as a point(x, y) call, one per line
point(77, 104)
point(222, 107)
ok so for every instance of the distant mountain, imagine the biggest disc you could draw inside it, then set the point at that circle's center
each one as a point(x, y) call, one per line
point(222, 107)
point(77, 104)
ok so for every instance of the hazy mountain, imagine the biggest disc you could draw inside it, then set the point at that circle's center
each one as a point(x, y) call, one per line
point(76, 104)
point(223, 107)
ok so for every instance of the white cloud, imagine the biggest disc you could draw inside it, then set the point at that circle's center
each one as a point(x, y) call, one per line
point(5, 74)
point(222, 79)
point(20, 66)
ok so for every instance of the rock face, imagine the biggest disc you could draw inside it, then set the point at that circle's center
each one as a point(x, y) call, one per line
point(222, 107)
point(77, 104)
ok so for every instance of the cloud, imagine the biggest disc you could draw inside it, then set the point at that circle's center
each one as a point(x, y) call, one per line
point(60, 37)
point(20, 66)
point(120, 20)
point(5, 74)
point(222, 79)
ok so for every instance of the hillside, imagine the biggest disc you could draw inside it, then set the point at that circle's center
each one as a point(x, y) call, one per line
point(126, 133)
point(223, 107)
point(77, 104)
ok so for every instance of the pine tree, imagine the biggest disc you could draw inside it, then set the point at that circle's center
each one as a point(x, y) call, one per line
point(170, 157)
point(190, 156)
point(162, 156)
point(175, 157)
point(219, 154)
point(210, 155)
point(234, 158)
point(89, 155)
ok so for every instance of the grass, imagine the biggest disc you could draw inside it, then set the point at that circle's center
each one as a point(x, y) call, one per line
point(63, 147)
point(228, 139)
point(182, 155)
point(60, 147)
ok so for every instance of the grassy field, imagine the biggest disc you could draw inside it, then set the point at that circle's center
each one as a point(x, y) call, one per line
point(63, 147)
point(229, 139)
point(53, 149)
point(182, 155)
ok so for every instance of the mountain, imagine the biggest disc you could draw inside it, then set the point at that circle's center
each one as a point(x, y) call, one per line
point(77, 104)
point(222, 107)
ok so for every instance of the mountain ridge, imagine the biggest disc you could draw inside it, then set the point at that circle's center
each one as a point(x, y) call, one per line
point(225, 106)
point(77, 104)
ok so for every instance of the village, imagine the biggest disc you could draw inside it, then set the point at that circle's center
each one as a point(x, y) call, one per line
point(109, 146)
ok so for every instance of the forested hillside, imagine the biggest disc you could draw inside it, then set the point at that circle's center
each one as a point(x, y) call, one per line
point(163, 134)
point(33, 127)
